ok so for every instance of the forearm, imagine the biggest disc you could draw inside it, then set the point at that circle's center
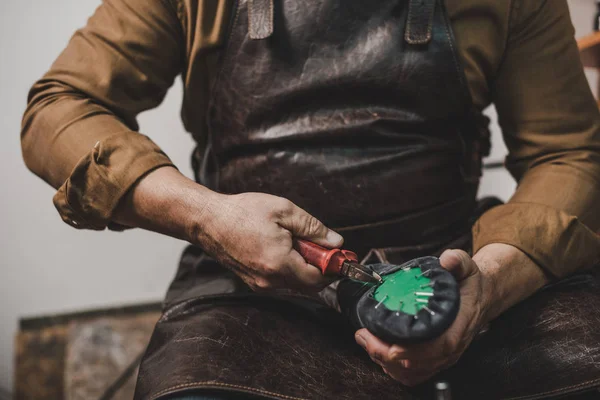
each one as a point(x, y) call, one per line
point(510, 277)
point(167, 202)
point(250, 233)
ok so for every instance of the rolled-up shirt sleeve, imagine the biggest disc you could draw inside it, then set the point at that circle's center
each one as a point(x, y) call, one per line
point(79, 130)
point(551, 126)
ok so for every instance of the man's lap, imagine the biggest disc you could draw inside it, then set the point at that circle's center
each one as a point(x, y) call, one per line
point(258, 344)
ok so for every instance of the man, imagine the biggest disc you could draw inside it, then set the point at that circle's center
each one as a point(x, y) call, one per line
point(317, 120)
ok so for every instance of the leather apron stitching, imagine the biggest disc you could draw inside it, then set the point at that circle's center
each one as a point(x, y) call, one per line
point(212, 385)
point(564, 390)
point(419, 26)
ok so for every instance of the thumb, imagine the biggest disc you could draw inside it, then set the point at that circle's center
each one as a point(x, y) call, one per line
point(458, 263)
point(304, 226)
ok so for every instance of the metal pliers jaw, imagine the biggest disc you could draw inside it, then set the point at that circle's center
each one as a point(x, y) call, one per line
point(359, 272)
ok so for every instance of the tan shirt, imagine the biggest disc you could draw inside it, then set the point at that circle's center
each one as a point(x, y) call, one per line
point(80, 131)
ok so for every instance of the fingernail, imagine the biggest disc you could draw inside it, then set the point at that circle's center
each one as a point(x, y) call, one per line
point(334, 237)
point(361, 341)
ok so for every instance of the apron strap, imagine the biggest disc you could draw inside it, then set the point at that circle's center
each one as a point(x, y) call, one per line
point(260, 18)
point(420, 21)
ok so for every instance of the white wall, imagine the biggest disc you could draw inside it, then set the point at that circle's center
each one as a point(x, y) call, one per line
point(48, 267)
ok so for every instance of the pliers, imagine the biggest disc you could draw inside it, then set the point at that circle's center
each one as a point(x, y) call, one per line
point(336, 262)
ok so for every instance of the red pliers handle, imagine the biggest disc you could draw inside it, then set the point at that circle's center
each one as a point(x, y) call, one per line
point(329, 261)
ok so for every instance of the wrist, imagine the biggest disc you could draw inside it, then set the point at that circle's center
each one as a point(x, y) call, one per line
point(200, 219)
point(509, 277)
point(164, 201)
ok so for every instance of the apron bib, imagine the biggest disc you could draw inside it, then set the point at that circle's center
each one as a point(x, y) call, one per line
point(356, 111)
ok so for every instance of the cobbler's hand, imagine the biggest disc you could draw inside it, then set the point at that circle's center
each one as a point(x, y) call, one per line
point(415, 363)
point(252, 233)
point(496, 278)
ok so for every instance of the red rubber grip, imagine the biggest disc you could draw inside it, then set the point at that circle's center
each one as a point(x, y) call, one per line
point(329, 261)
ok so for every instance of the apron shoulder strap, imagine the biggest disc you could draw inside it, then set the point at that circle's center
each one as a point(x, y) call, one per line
point(260, 19)
point(420, 21)
point(418, 28)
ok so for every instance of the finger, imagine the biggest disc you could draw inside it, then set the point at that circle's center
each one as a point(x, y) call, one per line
point(427, 352)
point(303, 225)
point(378, 350)
point(412, 372)
point(410, 377)
point(304, 276)
point(420, 365)
point(458, 263)
point(416, 363)
point(434, 352)
point(375, 346)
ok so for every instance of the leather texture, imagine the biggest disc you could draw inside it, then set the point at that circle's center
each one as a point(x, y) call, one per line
point(420, 21)
point(335, 108)
point(260, 18)
point(545, 347)
point(294, 347)
point(215, 334)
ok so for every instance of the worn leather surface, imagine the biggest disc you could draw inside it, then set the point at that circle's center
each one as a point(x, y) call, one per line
point(260, 18)
point(257, 345)
point(545, 347)
point(215, 334)
point(288, 347)
point(334, 109)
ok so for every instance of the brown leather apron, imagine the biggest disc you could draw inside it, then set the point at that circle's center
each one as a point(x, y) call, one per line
point(359, 112)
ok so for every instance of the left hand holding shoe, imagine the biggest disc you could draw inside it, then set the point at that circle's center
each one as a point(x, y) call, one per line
point(488, 286)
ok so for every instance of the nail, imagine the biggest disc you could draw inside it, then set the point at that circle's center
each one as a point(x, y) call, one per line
point(361, 341)
point(428, 310)
point(427, 294)
point(425, 273)
point(400, 309)
point(334, 238)
point(381, 302)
